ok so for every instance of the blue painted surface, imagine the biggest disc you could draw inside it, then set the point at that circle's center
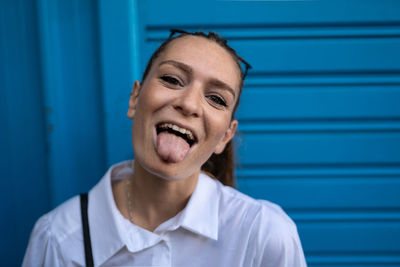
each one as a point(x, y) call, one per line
point(319, 118)
point(120, 68)
point(52, 138)
point(24, 179)
point(71, 73)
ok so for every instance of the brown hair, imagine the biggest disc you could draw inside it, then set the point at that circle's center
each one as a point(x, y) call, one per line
point(220, 166)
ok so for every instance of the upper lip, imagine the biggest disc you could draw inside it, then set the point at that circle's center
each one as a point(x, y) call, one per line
point(181, 126)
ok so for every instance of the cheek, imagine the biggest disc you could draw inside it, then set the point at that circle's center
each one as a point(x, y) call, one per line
point(218, 125)
point(153, 97)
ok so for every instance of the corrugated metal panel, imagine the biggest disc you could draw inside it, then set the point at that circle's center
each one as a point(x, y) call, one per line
point(23, 178)
point(120, 67)
point(70, 65)
point(319, 118)
point(65, 78)
point(52, 133)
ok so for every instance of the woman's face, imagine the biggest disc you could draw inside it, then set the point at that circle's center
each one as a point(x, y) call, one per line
point(182, 112)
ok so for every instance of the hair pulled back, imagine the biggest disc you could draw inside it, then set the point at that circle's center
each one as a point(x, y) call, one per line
point(221, 166)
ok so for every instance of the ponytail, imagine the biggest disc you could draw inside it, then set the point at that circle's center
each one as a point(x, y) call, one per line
point(221, 166)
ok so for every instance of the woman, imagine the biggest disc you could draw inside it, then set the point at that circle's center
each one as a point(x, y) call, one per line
point(161, 209)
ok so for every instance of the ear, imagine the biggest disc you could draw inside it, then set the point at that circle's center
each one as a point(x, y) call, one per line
point(229, 134)
point(133, 100)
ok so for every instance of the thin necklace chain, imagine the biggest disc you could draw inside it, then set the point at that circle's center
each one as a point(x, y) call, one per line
point(128, 197)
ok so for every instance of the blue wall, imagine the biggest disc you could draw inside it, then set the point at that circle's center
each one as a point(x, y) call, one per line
point(319, 116)
point(24, 178)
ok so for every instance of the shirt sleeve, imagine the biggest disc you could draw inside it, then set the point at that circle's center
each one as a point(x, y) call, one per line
point(43, 249)
point(278, 239)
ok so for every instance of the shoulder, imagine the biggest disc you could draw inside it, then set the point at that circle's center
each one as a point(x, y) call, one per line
point(264, 211)
point(61, 225)
point(63, 221)
point(234, 202)
point(276, 217)
point(270, 232)
point(278, 242)
point(53, 233)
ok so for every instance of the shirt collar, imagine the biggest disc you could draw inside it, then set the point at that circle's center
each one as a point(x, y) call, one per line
point(201, 213)
point(107, 225)
point(103, 213)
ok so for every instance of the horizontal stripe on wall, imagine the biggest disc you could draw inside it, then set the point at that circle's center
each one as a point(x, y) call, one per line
point(349, 104)
point(344, 194)
point(305, 174)
point(313, 56)
point(338, 148)
point(293, 126)
point(318, 170)
point(157, 33)
point(328, 215)
point(322, 79)
point(353, 259)
point(176, 12)
point(321, 55)
point(366, 237)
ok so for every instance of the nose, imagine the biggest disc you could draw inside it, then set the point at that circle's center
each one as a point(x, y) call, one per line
point(189, 101)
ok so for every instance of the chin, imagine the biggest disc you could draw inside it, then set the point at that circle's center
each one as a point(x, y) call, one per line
point(168, 171)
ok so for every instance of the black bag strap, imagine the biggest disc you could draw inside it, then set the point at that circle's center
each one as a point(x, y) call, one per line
point(86, 232)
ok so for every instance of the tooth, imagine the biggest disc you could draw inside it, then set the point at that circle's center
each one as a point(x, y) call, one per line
point(183, 131)
point(190, 135)
point(175, 128)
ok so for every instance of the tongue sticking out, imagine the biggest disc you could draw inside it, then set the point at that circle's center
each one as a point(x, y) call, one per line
point(171, 147)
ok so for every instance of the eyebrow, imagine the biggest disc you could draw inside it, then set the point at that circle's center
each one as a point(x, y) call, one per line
point(180, 65)
point(222, 85)
point(186, 68)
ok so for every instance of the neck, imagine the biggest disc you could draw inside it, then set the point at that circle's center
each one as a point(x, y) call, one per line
point(155, 200)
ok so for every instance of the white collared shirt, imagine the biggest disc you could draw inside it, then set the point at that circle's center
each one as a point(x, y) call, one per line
point(218, 227)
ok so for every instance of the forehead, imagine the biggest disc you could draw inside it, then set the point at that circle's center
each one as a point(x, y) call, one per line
point(207, 58)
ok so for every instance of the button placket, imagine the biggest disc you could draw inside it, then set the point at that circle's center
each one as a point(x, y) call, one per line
point(162, 254)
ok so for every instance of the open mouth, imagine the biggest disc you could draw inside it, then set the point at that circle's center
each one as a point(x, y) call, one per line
point(186, 134)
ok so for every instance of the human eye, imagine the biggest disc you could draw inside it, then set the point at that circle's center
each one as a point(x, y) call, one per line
point(171, 80)
point(217, 100)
